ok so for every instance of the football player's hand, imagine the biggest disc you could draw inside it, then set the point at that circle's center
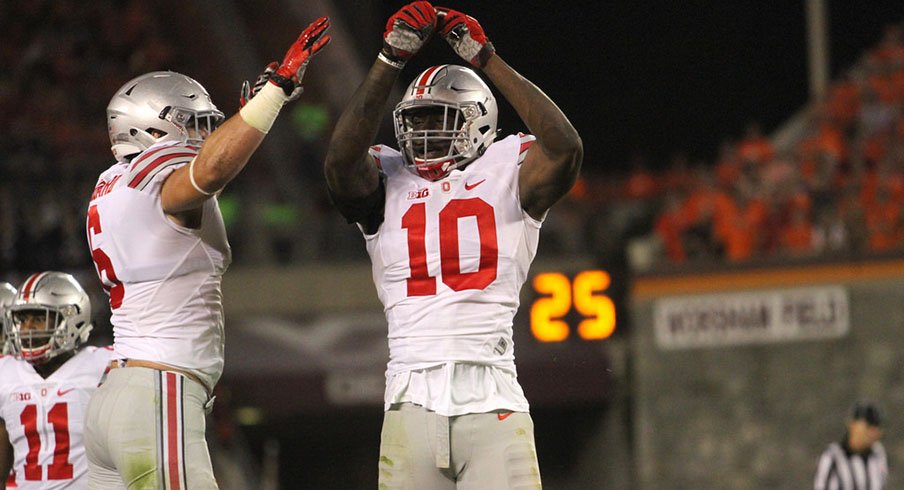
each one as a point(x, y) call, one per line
point(249, 91)
point(465, 35)
point(407, 31)
point(289, 73)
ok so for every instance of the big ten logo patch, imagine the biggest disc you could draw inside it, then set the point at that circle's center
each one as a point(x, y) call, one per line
point(419, 194)
point(20, 397)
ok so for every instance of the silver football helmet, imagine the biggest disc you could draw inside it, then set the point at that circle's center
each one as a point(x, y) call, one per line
point(469, 115)
point(51, 315)
point(159, 106)
point(7, 296)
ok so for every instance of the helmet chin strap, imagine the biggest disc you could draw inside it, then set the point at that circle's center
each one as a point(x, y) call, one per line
point(39, 357)
point(433, 171)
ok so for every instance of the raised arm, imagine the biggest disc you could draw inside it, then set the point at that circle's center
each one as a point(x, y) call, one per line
point(552, 165)
point(351, 175)
point(553, 162)
point(226, 151)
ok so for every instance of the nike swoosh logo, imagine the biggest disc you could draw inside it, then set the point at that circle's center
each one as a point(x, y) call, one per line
point(475, 184)
point(502, 416)
point(61, 392)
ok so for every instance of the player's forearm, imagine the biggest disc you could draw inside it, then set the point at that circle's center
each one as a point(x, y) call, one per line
point(225, 153)
point(347, 168)
point(544, 119)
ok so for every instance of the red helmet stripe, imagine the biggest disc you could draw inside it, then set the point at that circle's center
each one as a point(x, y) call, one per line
point(30, 284)
point(423, 82)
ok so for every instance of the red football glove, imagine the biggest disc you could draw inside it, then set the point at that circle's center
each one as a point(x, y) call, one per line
point(466, 36)
point(289, 73)
point(407, 31)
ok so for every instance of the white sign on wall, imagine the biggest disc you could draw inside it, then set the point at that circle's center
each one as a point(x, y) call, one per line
point(778, 315)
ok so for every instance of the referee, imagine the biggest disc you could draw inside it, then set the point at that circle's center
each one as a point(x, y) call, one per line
point(858, 461)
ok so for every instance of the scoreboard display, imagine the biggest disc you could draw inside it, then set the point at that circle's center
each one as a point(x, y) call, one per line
point(567, 314)
point(556, 296)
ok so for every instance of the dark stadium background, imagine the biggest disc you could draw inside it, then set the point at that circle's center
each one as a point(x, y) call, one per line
point(653, 78)
point(647, 78)
point(635, 78)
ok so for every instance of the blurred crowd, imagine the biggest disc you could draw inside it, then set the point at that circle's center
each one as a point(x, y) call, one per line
point(65, 59)
point(828, 184)
point(835, 187)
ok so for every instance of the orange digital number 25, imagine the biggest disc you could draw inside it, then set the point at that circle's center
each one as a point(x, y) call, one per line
point(547, 313)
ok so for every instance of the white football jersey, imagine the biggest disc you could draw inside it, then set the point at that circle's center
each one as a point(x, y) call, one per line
point(163, 279)
point(45, 418)
point(449, 261)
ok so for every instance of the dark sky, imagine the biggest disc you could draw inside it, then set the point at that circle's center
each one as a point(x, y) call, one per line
point(653, 78)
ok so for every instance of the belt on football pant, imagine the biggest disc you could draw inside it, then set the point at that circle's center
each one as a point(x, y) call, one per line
point(125, 363)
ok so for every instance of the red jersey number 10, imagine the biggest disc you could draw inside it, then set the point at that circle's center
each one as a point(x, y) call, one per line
point(421, 283)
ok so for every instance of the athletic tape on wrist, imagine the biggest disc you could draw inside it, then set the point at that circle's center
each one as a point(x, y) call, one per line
point(191, 178)
point(395, 64)
point(261, 111)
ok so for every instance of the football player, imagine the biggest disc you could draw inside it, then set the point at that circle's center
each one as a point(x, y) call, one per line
point(160, 249)
point(451, 222)
point(46, 382)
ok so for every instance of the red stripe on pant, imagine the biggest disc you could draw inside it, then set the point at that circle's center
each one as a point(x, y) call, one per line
point(172, 430)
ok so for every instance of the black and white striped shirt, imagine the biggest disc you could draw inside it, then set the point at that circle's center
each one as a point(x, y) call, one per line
point(841, 469)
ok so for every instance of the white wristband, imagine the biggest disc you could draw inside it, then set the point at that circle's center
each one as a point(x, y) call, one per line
point(191, 178)
point(395, 64)
point(261, 111)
